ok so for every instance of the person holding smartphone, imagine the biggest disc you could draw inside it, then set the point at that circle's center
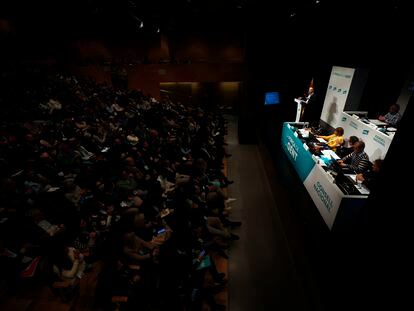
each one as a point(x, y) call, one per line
point(161, 235)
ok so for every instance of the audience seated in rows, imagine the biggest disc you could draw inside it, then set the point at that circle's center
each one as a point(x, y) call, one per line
point(91, 173)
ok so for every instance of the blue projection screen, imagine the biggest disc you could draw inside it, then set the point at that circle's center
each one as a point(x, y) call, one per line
point(272, 98)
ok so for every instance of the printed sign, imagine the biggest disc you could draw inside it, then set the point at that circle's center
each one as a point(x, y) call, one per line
point(324, 193)
point(297, 154)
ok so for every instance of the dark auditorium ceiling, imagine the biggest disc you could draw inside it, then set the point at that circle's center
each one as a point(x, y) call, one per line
point(373, 24)
point(122, 17)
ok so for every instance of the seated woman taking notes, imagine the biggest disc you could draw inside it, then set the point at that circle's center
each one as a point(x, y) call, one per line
point(336, 139)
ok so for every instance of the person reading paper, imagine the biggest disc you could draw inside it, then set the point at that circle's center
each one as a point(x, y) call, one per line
point(334, 140)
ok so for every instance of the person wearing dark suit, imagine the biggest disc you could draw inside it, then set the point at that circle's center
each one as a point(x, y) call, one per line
point(307, 105)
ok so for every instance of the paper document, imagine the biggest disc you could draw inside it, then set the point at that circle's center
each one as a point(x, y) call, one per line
point(321, 140)
point(353, 176)
point(304, 133)
point(330, 153)
point(377, 122)
point(363, 190)
point(323, 160)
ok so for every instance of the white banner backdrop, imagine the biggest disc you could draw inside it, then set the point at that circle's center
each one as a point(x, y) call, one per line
point(336, 94)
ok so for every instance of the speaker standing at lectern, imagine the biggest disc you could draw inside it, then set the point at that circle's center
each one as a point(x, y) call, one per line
point(304, 103)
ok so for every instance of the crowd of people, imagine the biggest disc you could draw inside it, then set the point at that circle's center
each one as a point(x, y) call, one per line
point(92, 174)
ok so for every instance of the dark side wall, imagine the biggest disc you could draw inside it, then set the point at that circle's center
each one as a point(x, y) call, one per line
point(162, 59)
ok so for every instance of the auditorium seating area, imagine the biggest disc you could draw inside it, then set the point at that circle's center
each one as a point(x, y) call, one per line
point(110, 199)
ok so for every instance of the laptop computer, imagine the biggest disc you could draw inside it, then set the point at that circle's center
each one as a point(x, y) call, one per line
point(344, 182)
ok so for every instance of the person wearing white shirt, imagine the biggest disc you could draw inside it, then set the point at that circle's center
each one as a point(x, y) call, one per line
point(306, 101)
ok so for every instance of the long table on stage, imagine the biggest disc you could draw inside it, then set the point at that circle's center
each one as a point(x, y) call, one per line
point(377, 143)
point(336, 207)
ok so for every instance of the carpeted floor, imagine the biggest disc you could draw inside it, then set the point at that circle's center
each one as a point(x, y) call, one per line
point(261, 268)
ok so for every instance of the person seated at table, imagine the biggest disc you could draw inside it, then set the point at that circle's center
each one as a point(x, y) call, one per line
point(357, 161)
point(334, 140)
point(370, 177)
point(347, 147)
point(393, 117)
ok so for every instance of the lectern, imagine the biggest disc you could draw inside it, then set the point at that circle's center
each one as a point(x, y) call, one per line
point(299, 103)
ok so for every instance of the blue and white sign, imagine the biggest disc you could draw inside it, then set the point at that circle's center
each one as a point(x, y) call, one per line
point(326, 196)
point(376, 142)
point(301, 158)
